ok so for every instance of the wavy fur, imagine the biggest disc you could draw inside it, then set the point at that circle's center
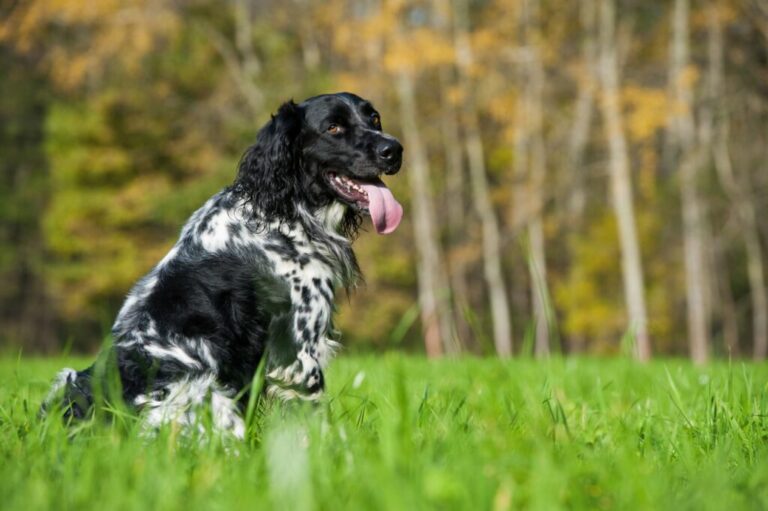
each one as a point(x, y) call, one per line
point(253, 275)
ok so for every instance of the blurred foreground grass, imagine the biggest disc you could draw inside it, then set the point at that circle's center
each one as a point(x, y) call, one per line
point(400, 433)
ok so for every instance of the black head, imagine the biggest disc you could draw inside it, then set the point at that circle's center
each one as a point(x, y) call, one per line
point(328, 149)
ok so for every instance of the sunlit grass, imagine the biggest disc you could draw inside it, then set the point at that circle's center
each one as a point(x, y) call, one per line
point(399, 432)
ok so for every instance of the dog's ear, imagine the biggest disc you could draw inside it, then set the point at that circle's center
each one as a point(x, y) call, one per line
point(268, 175)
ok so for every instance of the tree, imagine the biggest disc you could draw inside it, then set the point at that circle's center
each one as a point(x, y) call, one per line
point(691, 159)
point(455, 189)
point(531, 161)
point(26, 310)
point(433, 287)
point(621, 184)
point(492, 268)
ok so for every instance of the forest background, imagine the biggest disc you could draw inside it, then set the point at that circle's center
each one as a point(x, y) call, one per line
point(585, 176)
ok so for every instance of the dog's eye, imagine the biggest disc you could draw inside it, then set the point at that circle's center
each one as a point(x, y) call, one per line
point(335, 129)
point(376, 120)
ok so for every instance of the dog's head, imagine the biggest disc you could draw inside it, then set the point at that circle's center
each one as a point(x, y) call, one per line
point(327, 149)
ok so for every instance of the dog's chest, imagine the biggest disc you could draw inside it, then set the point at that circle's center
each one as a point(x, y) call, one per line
point(306, 271)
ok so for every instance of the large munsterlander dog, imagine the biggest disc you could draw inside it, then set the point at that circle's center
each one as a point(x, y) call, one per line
point(253, 273)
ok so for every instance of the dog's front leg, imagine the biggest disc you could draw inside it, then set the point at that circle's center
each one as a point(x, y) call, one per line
point(293, 368)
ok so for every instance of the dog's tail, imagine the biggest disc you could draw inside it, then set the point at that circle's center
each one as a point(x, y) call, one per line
point(72, 393)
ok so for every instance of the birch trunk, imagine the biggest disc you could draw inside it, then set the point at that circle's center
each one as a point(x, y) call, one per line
point(691, 159)
point(435, 316)
point(456, 221)
point(455, 188)
point(583, 114)
point(494, 276)
point(621, 184)
point(530, 128)
point(240, 62)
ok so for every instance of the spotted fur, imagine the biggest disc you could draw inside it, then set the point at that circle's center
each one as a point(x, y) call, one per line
point(252, 275)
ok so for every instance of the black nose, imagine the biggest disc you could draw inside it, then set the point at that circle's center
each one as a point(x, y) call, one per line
point(390, 152)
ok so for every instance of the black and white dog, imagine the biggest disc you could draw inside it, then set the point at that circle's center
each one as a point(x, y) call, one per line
point(253, 273)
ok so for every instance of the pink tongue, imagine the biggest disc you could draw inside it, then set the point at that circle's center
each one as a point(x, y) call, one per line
point(386, 212)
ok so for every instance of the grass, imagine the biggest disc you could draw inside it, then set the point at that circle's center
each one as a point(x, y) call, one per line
point(401, 433)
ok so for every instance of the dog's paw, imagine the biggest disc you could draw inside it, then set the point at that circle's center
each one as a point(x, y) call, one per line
point(303, 379)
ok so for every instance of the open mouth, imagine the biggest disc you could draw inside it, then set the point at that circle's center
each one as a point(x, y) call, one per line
point(372, 196)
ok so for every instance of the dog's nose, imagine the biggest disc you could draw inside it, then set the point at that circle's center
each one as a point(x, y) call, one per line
point(390, 151)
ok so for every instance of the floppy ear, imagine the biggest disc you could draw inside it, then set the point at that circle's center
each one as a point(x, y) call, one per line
point(268, 175)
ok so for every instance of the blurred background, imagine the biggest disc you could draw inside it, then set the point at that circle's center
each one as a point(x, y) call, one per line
point(580, 177)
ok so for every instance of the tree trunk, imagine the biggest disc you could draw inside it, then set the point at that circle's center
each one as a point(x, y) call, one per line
point(494, 276)
point(691, 159)
point(727, 304)
point(583, 114)
point(695, 266)
point(530, 149)
point(244, 39)
point(242, 69)
point(454, 186)
point(584, 111)
point(456, 219)
point(435, 314)
point(621, 184)
point(538, 273)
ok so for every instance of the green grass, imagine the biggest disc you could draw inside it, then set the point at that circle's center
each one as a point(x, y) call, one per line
point(401, 433)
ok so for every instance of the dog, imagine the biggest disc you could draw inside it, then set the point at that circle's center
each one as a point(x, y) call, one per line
point(253, 274)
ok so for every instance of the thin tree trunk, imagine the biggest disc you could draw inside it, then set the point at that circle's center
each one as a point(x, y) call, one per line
point(307, 34)
point(729, 314)
point(538, 273)
point(578, 139)
point(435, 316)
point(454, 193)
point(621, 184)
point(241, 72)
point(530, 129)
point(456, 215)
point(244, 39)
point(583, 114)
point(695, 272)
point(456, 219)
point(691, 159)
point(494, 276)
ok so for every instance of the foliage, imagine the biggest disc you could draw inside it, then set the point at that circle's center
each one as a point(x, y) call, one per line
point(404, 433)
point(133, 113)
point(24, 190)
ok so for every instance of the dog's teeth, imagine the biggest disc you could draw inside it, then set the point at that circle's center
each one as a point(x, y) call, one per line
point(349, 185)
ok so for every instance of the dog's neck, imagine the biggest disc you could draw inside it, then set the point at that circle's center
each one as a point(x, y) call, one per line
point(331, 216)
point(322, 226)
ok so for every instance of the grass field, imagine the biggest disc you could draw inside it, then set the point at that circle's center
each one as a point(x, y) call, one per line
point(402, 433)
